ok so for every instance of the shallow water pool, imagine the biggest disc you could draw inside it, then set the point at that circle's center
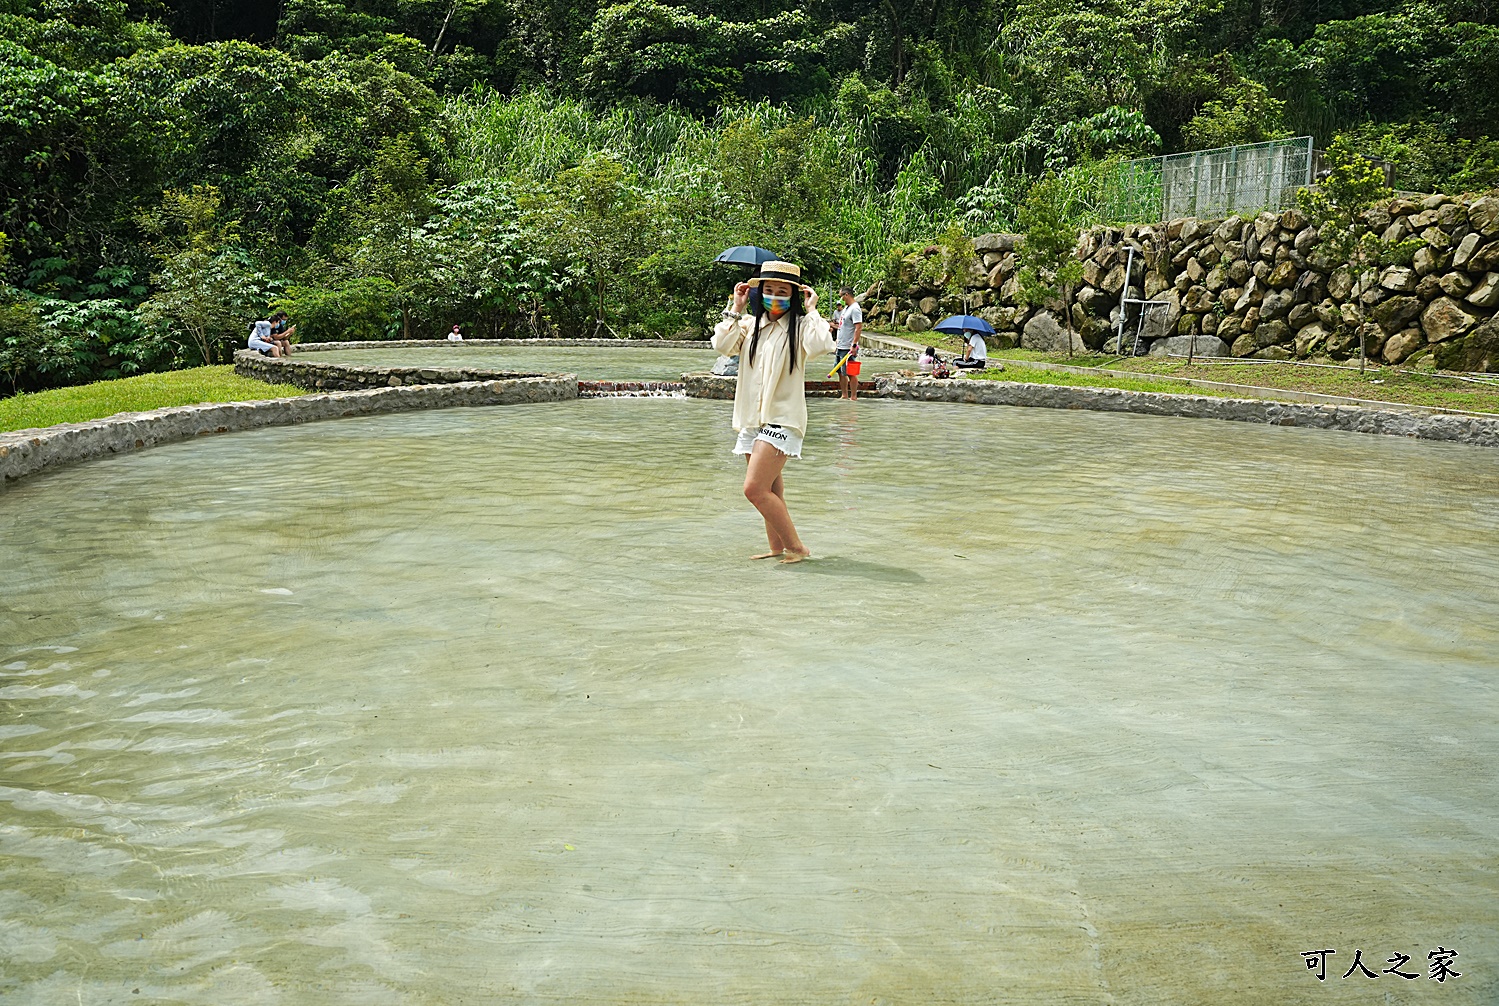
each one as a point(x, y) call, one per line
point(487, 706)
point(590, 363)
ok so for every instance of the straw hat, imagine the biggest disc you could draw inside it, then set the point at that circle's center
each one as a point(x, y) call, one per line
point(786, 271)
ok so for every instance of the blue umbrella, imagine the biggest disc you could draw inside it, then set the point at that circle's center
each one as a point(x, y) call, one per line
point(964, 323)
point(746, 255)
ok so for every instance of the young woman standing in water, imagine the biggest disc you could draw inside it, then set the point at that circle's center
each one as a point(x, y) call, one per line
point(774, 341)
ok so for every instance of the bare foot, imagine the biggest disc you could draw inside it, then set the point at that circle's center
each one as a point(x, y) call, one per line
point(765, 555)
point(794, 556)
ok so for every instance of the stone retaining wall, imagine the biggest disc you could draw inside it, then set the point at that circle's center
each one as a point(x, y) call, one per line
point(316, 376)
point(1261, 287)
point(710, 386)
point(26, 452)
point(1353, 419)
point(715, 386)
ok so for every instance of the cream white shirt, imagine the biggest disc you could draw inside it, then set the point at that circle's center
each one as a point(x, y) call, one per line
point(769, 391)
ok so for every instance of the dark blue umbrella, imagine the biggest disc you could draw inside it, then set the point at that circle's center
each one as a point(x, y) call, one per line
point(746, 255)
point(964, 323)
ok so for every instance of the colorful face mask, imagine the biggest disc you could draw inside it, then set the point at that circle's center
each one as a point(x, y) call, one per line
point(776, 305)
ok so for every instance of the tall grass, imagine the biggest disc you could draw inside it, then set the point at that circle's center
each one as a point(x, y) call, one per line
point(534, 135)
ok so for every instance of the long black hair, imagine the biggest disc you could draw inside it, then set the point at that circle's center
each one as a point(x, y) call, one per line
point(757, 308)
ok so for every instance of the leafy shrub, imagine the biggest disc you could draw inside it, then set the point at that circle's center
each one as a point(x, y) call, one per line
point(361, 308)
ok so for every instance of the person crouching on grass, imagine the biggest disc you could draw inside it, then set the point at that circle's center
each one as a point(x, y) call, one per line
point(774, 342)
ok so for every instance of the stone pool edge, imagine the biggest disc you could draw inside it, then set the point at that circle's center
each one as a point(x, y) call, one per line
point(1461, 429)
point(1472, 430)
point(313, 375)
point(328, 347)
point(27, 452)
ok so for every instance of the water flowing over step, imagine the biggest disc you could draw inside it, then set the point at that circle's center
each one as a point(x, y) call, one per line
point(632, 389)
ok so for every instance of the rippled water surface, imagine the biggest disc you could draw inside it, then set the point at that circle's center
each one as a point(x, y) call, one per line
point(631, 363)
point(487, 706)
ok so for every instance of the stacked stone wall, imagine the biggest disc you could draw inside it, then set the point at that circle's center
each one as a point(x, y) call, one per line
point(317, 376)
point(1258, 287)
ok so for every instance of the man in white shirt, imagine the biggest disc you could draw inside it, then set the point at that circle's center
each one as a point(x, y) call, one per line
point(850, 327)
point(975, 353)
point(976, 345)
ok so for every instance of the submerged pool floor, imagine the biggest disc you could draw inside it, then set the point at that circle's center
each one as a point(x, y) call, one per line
point(487, 706)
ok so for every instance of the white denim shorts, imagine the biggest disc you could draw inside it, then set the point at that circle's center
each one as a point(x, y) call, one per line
point(782, 438)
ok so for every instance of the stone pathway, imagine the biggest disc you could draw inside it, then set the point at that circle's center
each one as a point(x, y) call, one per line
point(891, 342)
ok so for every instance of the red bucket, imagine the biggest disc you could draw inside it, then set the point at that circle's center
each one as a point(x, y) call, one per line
point(852, 368)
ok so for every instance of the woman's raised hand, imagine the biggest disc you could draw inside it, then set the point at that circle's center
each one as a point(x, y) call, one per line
point(811, 297)
point(741, 296)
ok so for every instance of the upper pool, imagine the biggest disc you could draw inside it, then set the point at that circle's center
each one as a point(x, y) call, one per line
point(590, 363)
point(487, 706)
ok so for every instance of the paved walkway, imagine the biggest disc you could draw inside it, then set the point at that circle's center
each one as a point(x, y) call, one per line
point(890, 341)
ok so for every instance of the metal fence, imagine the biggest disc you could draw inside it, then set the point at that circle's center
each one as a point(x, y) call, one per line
point(1214, 183)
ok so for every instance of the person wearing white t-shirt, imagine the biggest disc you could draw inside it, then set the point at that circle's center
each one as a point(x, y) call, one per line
point(456, 335)
point(850, 327)
point(978, 350)
point(975, 353)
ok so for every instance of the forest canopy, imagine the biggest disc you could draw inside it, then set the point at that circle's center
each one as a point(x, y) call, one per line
point(171, 170)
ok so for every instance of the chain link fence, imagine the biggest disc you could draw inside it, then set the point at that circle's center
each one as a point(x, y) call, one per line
point(1213, 183)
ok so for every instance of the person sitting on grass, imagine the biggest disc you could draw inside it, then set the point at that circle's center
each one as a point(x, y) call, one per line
point(975, 353)
point(262, 340)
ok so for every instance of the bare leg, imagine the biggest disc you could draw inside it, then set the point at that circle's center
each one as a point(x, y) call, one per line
point(777, 547)
point(764, 488)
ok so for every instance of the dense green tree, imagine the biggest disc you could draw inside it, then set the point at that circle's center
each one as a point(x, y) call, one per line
point(1353, 184)
point(596, 220)
point(1245, 114)
point(396, 245)
point(1048, 268)
point(531, 165)
point(487, 268)
point(205, 288)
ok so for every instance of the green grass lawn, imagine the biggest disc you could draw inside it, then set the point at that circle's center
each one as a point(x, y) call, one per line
point(1015, 371)
point(1379, 384)
point(135, 394)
